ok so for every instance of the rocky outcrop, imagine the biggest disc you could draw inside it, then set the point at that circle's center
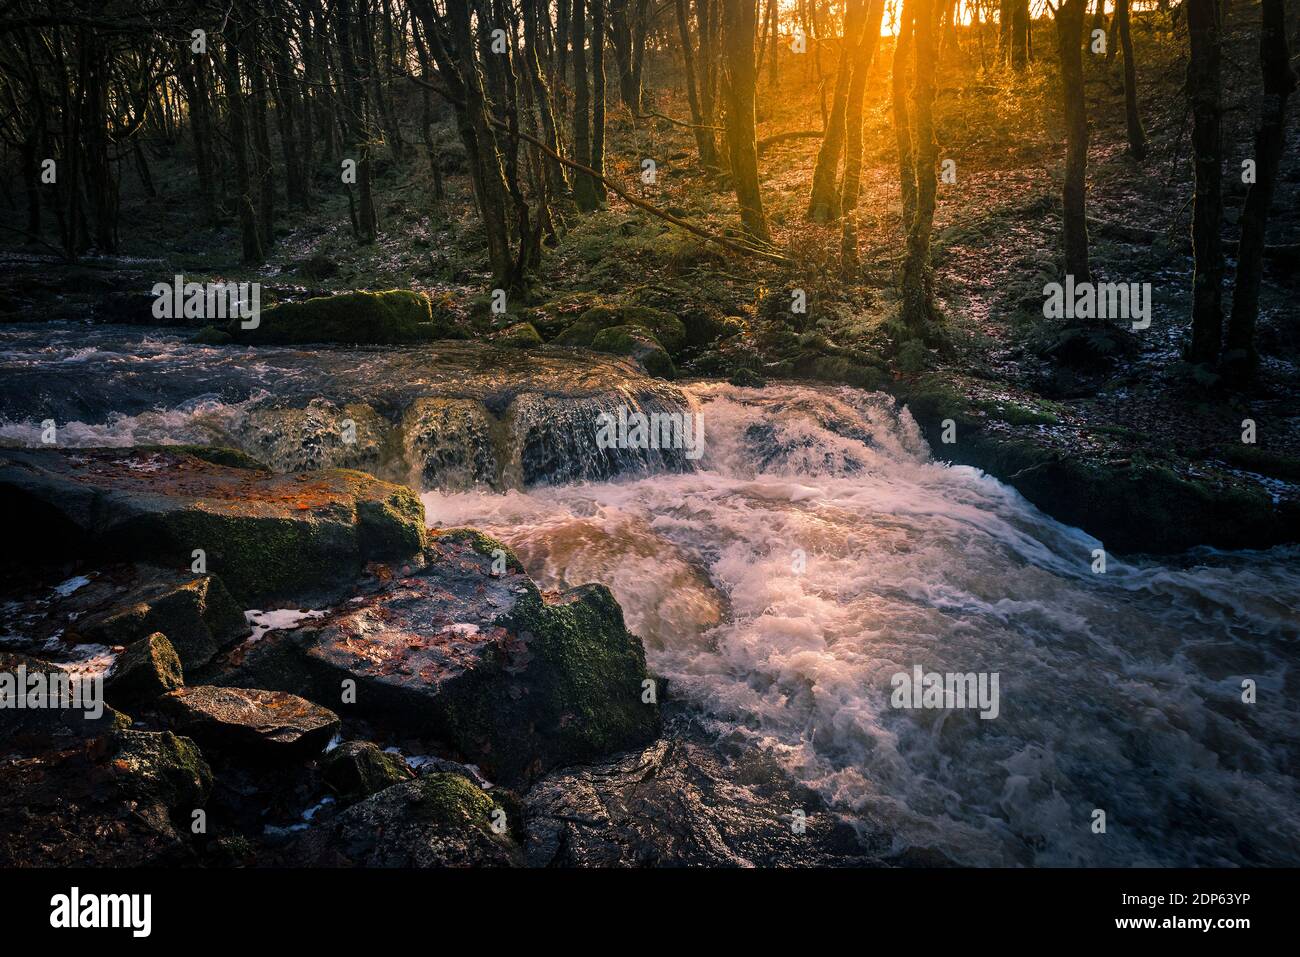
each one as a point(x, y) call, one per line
point(683, 802)
point(468, 650)
point(249, 721)
point(195, 612)
point(441, 820)
point(267, 536)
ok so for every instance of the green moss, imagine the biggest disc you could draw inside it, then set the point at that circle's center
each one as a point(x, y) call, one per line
point(666, 328)
point(358, 769)
point(212, 336)
point(394, 316)
point(161, 766)
point(522, 335)
point(453, 799)
point(1254, 459)
point(638, 343)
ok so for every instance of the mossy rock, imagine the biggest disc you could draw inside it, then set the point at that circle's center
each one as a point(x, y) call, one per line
point(440, 820)
point(522, 335)
point(369, 318)
point(144, 672)
point(666, 328)
point(212, 336)
point(358, 769)
point(747, 379)
point(638, 343)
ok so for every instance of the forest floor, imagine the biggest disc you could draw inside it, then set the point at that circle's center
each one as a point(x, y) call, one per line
point(1116, 399)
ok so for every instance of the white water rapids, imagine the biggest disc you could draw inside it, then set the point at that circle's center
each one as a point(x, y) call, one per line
point(1119, 691)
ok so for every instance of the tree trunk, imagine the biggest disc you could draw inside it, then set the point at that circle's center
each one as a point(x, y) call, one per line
point(1204, 91)
point(1137, 137)
point(705, 142)
point(739, 28)
point(1069, 35)
point(250, 237)
point(824, 200)
point(917, 279)
point(597, 163)
point(857, 97)
point(1241, 358)
point(584, 187)
point(902, 122)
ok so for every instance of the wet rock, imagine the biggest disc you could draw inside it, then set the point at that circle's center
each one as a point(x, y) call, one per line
point(682, 802)
point(375, 318)
point(121, 800)
point(248, 720)
point(212, 336)
point(441, 820)
point(638, 343)
point(357, 769)
point(55, 711)
point(477, 659)
point(747, 379)
point(195, 612)
point(147, 670)
point(267, 536)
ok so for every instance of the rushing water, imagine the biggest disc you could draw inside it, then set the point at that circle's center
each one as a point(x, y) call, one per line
point(815, 552)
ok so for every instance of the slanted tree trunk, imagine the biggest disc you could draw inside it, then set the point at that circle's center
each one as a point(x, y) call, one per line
point(917, 278)
point(1137, 137)
point(739, 23)
point(1241, 357)
point(1069, 36)
point(1204, 91)
point(824, 200)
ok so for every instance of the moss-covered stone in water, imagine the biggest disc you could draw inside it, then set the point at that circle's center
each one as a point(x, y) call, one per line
point(640, 344)
point(582, 687)
point(666, 328)
point(522, 335)
point(212, 336)
point(454, 800)
point(216, 454)
point(390, 527)
point(161, 766)
point(380, 318)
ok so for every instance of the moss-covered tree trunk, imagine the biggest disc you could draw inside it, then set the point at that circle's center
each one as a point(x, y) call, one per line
point(705, 142)
point(598, 98)
point(1204, 91)
point(902, 120)
point(738, 32)
point(1241, 357)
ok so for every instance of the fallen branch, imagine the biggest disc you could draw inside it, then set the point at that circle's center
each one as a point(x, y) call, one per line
point(653, 114)
point(769, 141)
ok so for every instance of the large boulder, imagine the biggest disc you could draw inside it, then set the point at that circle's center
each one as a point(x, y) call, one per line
point(267, 536)
point(251, 721)
point(442, 820)
point(377, 318)
point(468, 651)
point(195, 612)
